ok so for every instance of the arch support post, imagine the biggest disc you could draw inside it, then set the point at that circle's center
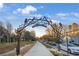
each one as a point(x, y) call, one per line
point(18, 45)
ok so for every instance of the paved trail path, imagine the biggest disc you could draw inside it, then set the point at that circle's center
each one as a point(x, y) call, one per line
point(38, 50)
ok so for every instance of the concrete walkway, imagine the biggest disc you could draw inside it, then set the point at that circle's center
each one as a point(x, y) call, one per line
point(38, 50)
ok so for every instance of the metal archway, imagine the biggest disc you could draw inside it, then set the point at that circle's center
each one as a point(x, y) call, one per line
point(35, 22)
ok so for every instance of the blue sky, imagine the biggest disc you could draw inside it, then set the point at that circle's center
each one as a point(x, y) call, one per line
point(15, 13)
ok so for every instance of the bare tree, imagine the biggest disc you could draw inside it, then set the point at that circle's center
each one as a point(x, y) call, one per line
point(3, 32)
point(9, 29)
point(57, 28)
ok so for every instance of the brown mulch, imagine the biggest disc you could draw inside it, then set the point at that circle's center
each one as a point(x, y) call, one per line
point(22, 51)
point(25, 49)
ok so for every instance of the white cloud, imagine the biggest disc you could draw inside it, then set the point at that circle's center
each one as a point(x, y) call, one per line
point(55, 21)
point(1, 5)
point(61, 14)
point(75, 14)
point(37, 15)
point(50, 17)
point(27, 10)
point(34, 15)
point(11, 17)
point(41, 7)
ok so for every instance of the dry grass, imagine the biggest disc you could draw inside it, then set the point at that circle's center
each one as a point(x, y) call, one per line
point(56, 53)
point(25, 49)
point(5, 47)
point(22, 51)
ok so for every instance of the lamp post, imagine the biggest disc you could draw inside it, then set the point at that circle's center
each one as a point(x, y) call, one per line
point(67, 45)
point(60, 30)
point(67, 41)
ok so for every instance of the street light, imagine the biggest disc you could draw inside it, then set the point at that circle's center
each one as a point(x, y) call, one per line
point(67, 41)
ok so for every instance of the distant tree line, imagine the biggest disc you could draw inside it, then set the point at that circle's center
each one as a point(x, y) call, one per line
point(8, 35)
point(53, 34)
point(59, 32)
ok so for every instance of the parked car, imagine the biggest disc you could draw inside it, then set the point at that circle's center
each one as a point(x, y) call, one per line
point(44, 42)
point(71, 48)
point(52, 43)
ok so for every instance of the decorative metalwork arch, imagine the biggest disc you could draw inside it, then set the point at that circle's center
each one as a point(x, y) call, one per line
point(35, 22)
point(43, 21)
